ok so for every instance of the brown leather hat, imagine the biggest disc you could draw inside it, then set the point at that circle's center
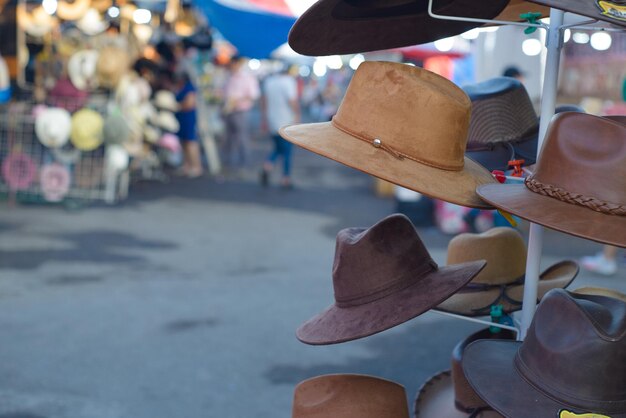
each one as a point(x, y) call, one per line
point(579, 183)
point(382, 276)
point(405, 125)
point(502, 280)
point(612, 11)
point(449, 394)
point(572, 362)
point(349, 26)
point(349, 396)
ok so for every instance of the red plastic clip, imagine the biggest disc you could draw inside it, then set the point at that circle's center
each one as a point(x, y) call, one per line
point(516, 165)
point(499, 175)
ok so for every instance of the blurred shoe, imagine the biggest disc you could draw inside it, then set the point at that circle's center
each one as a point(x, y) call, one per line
point(264, 177)
point(286, 184)
point(599, 264)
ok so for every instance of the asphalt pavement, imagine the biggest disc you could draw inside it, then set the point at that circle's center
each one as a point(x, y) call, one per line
point(183, 300)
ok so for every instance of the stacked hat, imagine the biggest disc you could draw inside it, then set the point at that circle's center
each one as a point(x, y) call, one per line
point(405, 125)
point(502, 280)
point(579, 183)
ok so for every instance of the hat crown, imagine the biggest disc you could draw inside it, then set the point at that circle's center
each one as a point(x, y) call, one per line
point(584, 155)
point(395, 104)
point(372, 262)
point(349, 396)
point(575, 351)
point(501, 111)
point(503, 248)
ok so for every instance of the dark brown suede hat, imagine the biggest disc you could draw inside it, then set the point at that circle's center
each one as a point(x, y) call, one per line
point(382, 276)
point(610, 11)
point(572, 362)
point(579, 183)
point(332, 27)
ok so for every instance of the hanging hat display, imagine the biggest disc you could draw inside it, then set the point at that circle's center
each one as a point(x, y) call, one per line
point(579, 183)
point(502, 281)
point(87, 130)
point(383, 276)
point(349, 396)
point(571, 363)
point(53, 126)
point(112, 64)
point(18, 171)
point(36, 23)
point(81, 68)
point(72, 10)
point(54, 180)
point(405, 125)
point(92, 23)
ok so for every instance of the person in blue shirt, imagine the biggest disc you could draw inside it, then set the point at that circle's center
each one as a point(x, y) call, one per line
point(186, 115)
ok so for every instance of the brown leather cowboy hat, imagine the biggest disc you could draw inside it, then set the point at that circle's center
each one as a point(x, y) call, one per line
point(383, 276)
point(579, 183)
point(610, 11)
point(405, 125)
point(349, 396)
point(448, 394)
point(502, 281)
point(571, 363)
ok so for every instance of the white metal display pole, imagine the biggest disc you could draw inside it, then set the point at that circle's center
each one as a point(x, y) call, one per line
point(554, 43)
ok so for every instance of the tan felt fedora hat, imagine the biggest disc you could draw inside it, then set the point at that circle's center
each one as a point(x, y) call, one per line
point(405, 125)
point(579, 184)
point(600, 291)
point(502, 281)
point(349, 396)
point(383, 276)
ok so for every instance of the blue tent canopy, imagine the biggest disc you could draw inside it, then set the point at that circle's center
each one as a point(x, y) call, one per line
point(254, 32)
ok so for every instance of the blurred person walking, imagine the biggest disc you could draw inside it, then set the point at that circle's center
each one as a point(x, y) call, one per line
point(187, 118)
point(240, 93)
point(279, 107)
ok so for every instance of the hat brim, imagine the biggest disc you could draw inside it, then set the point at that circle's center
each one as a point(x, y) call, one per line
point(557, 276)
point(435, 399)
point(554, 214)
point(458, 187)
point(321, 30)
point(336, 325)
point(580, 7)
point(490, 370)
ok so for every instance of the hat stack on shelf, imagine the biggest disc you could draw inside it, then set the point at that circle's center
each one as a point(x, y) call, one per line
point(418, 130)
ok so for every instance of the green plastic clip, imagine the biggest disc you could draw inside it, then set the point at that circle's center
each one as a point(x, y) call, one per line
point(530, 17)
point(496, 316)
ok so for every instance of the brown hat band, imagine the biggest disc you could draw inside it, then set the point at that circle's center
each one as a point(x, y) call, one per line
point(378, 143)
point(574, 198)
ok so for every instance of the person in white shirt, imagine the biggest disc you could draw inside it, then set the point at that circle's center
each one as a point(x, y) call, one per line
point(279, 107)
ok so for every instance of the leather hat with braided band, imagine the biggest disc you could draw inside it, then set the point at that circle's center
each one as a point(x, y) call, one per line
point(405, 125)
point(579, 183)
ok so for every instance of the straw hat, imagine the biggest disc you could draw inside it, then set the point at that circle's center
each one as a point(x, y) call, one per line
point(116, 129)
point(165, 100)
point(349, 396)
point(612, 11)
point(132, 90)
point(18, 171)
point(383, 276)
point(579, 184)
point(167, 121)
point(92, 23)
point(170, 142)
point(405, 125)
point(81, 68)
point(54, 180)
point(151, 134)
point(53, 126)
point(332, 27)
point(72, 10)
point(112, 64)
point(570, 364)
point(36, 23)
point(87, 127)
point(502, 280)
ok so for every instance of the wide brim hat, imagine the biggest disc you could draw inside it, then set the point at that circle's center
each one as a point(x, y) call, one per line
point(417, 149)
point(87, 130)
point(35, 23)
point(54, 181)
point(435, 399)
point(473, 302)
point(53, 126)
point(610, 11)
point(81, 69)
point(112, 64)
point(553, 211)
point(18, 171)
point(92, 23)
point(74, 10)
point(332, 27)
point(165, 100)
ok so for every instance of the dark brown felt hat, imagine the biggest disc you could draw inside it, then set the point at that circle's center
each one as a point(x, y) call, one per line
point(579, 183)
point(572, 362)
point(405, 125)
point(610, 11)
point(382, 277)
point(349, 396)
point(332, 27)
